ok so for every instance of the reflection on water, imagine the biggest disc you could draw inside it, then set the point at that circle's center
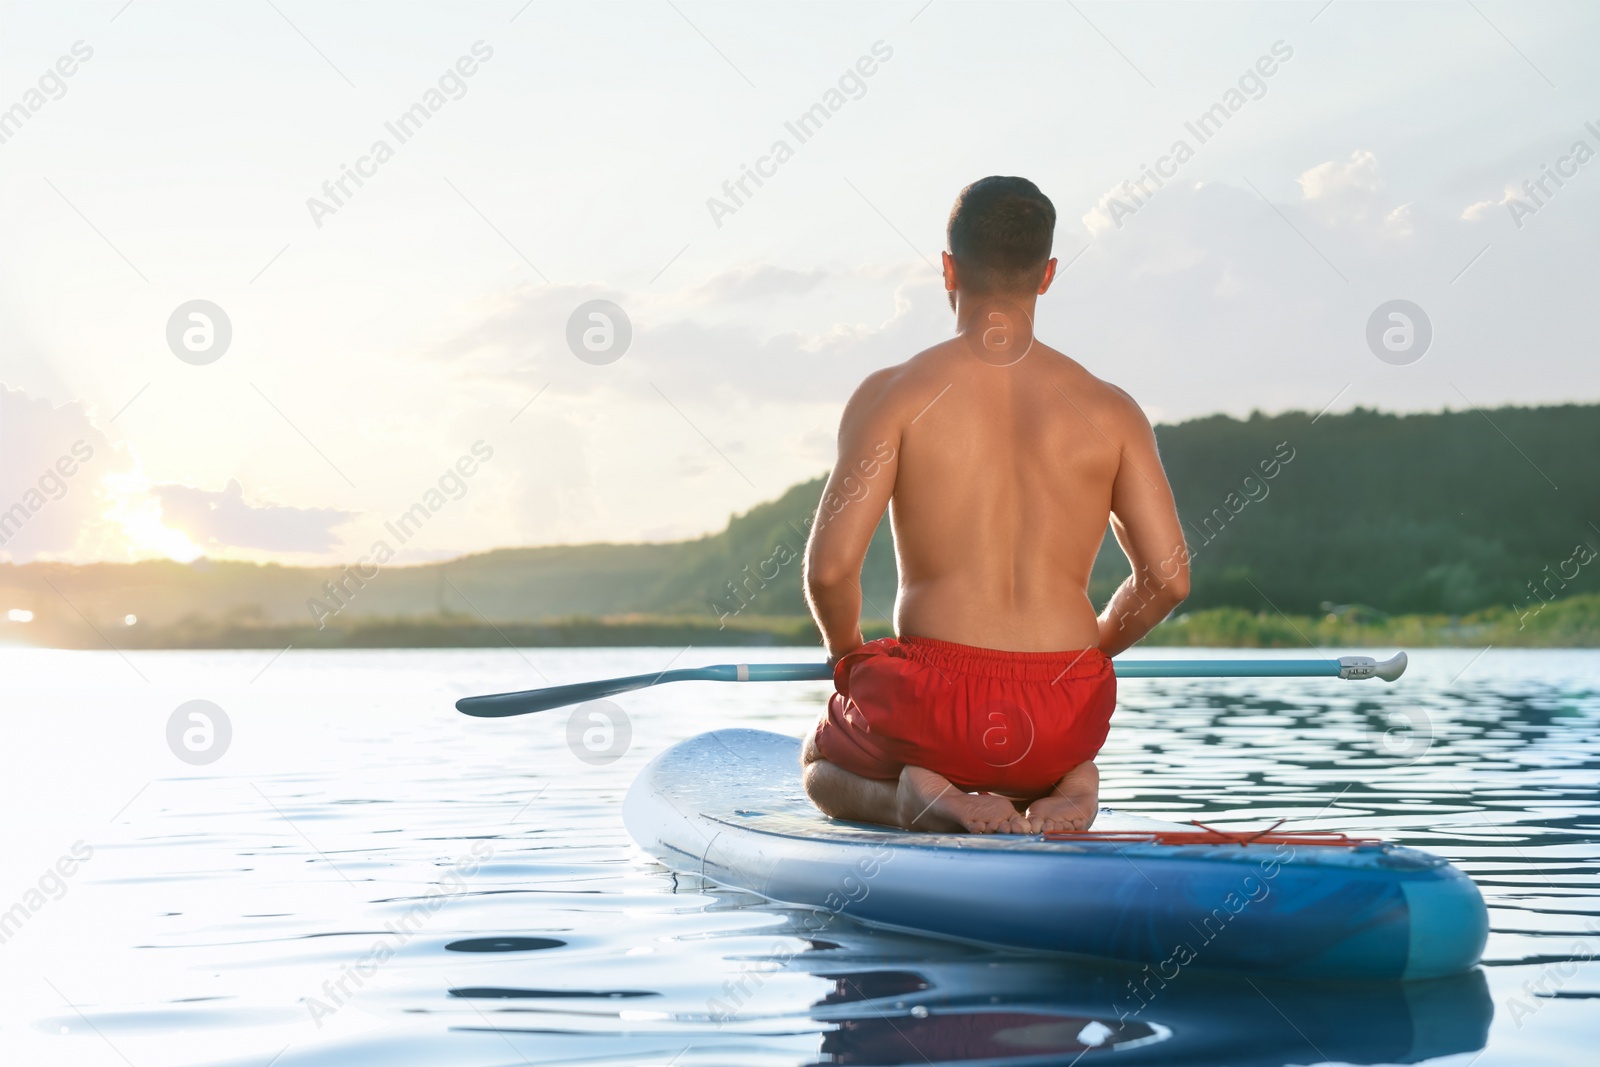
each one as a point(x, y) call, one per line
point(503, 944)
point(309, 898)
point(890, 1004)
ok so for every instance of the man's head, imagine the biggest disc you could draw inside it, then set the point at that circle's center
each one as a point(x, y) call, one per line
point(999, 236)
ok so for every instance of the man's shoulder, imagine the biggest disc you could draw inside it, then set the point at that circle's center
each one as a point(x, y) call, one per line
point(1094, 394)
point(935, 359)
point(902, 382)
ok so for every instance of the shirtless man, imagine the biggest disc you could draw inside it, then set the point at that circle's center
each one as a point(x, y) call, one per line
point(1000, 460)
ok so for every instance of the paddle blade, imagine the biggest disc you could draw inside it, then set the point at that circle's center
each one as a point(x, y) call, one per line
point(500, 705)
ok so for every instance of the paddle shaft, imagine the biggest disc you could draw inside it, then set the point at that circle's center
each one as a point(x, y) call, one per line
point(499, 705)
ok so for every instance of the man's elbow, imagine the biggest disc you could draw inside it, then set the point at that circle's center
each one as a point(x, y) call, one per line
point(1177, 590)
point(824, 576)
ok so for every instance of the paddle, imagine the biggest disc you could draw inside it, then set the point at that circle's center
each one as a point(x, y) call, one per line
point(498, 705)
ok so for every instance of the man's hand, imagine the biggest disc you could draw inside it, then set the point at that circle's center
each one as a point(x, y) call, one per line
point(835, 655)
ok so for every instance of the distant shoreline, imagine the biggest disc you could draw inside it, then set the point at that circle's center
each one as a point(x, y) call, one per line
point(1573, 622)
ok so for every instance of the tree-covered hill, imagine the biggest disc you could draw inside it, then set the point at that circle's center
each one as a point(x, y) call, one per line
point(1436, 513)
point(1420, 513)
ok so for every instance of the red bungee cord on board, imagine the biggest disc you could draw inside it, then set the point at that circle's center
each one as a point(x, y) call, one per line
point(1208, 835)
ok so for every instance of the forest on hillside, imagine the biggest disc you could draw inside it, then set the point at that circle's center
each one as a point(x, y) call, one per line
point(1440, 514)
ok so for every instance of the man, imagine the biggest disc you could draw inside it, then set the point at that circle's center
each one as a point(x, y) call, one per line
point(1001, 461)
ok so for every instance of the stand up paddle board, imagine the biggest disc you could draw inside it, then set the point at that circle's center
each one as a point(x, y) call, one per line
point(729, 806)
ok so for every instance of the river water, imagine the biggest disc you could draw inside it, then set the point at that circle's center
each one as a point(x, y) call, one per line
point(360, 875)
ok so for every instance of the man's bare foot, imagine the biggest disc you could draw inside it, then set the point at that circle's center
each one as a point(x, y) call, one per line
point(929, 802)
point(1071, 805)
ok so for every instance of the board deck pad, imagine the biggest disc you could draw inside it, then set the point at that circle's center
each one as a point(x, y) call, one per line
point(728, 806)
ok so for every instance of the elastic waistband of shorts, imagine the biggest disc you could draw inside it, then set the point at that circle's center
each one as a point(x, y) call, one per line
point(997, 663)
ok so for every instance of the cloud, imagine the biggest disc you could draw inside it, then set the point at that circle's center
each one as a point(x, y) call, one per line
point(818, 442)
point(52, 483)
point(759, 281)
point(225, 520)
point(690, 347)
point(1209, 296)
point(1475, 211)
point(1103, 219)
point(1261, 309)
point(1333, 182)
point(1397, 223)
point(1351, 193)
point(68, 492)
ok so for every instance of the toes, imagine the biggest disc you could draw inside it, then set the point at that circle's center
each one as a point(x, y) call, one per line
point(997, 823)
point(1047, 824)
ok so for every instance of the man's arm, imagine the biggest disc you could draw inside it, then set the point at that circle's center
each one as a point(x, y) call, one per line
point(852, 504)
point(1145, 521)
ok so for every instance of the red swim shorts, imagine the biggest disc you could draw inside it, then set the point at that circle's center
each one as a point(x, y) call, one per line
point(1006, 722)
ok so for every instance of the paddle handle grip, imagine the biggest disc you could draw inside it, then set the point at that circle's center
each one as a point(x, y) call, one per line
point(1354, 668)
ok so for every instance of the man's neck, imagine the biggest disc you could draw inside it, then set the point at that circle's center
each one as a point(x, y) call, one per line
point(976, 311)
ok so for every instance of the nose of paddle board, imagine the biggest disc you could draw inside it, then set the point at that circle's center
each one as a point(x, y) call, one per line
point(1448, 926)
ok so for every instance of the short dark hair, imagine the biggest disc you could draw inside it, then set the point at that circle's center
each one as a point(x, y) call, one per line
point(1000, 232)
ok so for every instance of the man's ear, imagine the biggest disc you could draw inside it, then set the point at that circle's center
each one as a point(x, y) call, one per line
point(1049, 276)
point(949, 266)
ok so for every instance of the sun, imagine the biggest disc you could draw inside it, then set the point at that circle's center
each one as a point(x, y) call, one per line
point(133, 516)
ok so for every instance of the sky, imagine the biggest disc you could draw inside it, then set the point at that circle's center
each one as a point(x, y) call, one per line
point(261, 365)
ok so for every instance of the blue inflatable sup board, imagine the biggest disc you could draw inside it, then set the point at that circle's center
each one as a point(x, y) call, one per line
point(728, 806)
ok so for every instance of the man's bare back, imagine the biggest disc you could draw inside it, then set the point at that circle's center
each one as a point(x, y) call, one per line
point(1000, 460)
point(1002, 491)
